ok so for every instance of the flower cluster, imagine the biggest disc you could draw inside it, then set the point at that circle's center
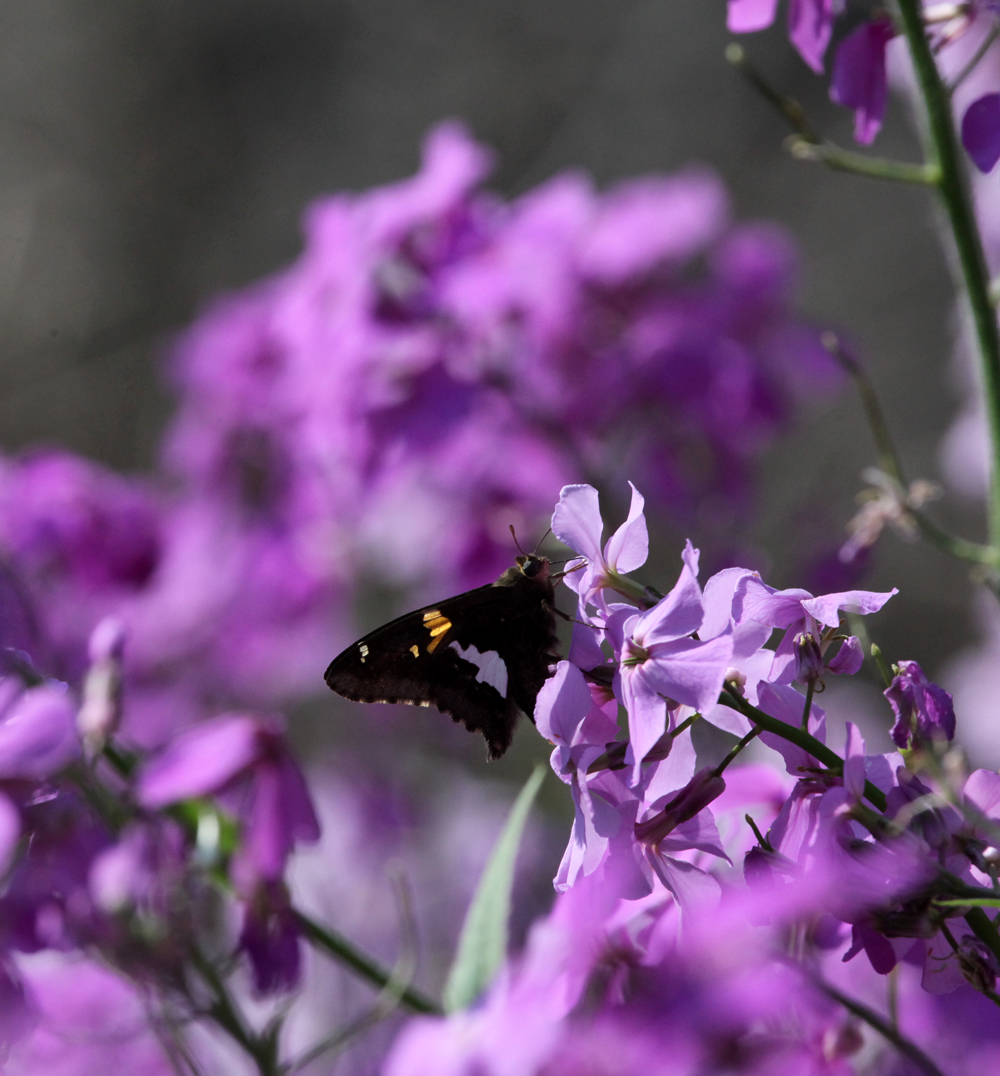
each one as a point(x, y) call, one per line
point(661, 954)
point(110, 855)
point(434, 368)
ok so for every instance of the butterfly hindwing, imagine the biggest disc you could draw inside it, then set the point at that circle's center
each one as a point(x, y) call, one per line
point(479, 656)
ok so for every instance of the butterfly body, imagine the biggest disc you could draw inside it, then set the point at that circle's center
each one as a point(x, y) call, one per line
point(480, 657)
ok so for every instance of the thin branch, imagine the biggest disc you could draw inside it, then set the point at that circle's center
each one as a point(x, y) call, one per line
point(337, 946)
point(861, 164)
point(391, 995)
point(737, 748)
point(984, 47)
point(800, 738)
point(891, 464)
point(904, 1046)
point(809, 145)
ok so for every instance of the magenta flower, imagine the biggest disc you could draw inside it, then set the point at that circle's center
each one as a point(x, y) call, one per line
point(859, 79)
point(924, 712)
point(981, 131)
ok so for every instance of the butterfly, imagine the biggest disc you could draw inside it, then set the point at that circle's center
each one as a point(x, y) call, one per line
point(480, 657)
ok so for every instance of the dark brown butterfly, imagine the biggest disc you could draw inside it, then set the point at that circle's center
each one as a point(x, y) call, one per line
point(481, 656)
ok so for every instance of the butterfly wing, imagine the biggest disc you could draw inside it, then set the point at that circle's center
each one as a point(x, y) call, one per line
point(477, 657)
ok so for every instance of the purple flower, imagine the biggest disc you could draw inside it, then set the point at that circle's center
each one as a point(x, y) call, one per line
point(101, 711)
point(142, 871)
point(810, 24)
point(981, 131)
point(577, 522)
point(270, 938)
point(924, 712)
point(88, 1019)
point(859, 80)
point(747, 16)
point(696, 795)
point(660, 661)
point(571, 714)
point(38, 734)
point(804, 617)
point(243, 759)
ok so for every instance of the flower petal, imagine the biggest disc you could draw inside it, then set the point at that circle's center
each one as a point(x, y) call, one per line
point(38, 734)
point(200, 761)
point(981, 131)
point(748, 16)
point(628, 547)
point(828, 607)
point(577, 522)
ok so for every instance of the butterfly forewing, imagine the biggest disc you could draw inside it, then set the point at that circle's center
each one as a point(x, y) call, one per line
point(479, 656)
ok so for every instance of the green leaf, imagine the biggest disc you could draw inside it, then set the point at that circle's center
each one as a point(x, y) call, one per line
point(482, 945)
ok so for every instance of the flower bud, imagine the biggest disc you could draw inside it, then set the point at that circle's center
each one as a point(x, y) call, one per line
point(808, 657)
point(101, 711)
point(924, 712)
point(696, 795)
point(737, 679)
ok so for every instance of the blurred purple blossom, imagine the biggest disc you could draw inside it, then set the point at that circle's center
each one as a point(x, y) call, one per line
point(243, 760)
point(924, 712)
point(981, 131)
point(859, 78)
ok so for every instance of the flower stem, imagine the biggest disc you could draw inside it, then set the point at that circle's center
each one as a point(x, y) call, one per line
point(984, 47)
point(341, 949)
point(807, 144)
point(226, 1014)
point(890, 463)
point(953, 188)
point(751, 735)
point(810, 691)
point(860, 164)
point(984, 929)
point(800, 738)
point(908, 1049)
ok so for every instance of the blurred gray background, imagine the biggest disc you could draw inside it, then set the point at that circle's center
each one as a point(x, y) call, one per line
point(154, 154)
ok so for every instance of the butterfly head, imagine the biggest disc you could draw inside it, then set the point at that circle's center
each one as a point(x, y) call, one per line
point(533, 567)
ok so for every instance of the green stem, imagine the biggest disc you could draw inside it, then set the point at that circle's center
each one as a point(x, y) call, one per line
point(800, 738)
point(890, 463)
point(341, 949)
point(810, 691)
point(960, 548)
point(888, 457)
point(908, 1049)
point(809, 145)
point(983, 928)
point(944, 153)
point(751, 735)
point(803, 148)
point(225, 1013)
point(984, 47)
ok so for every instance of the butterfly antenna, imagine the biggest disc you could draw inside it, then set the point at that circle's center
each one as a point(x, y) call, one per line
point(516, 542)
point(540, 540)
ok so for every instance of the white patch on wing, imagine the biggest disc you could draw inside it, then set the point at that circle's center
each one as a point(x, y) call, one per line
point(492, 669)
